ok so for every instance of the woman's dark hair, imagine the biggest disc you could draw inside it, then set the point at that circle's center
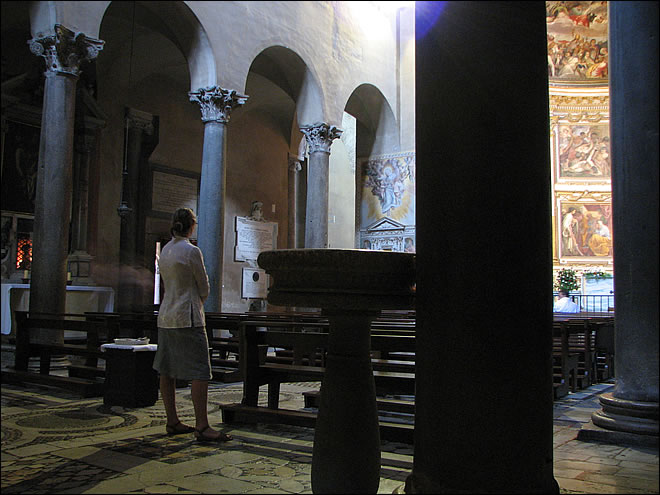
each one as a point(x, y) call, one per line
point(182, 221)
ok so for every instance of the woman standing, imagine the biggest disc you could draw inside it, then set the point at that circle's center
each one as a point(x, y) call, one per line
point(182, 343)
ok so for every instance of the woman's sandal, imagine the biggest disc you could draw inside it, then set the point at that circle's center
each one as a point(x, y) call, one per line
point(173, 430)
point(222, 437)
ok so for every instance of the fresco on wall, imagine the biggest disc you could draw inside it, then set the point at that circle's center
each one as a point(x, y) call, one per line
point(585, 230)
point(577, 41)
point(19, 173)
point(388, 189)
point(584, 151)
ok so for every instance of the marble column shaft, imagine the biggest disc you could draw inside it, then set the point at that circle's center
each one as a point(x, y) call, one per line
point(483, 381)
point(634, 134)
point(294, 170)
point(216, 105)
point(63, 52)
point(319, 138)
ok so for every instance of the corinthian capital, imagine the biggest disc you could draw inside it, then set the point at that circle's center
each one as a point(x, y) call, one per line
point(65, 50)
point(217, 103)
point(320, 136)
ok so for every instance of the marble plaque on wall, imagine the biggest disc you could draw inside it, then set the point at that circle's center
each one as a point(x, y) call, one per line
point(253, 237)
point(171, 192)
point(254, 284)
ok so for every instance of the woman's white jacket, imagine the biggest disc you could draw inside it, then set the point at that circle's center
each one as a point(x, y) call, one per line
point(186, 284)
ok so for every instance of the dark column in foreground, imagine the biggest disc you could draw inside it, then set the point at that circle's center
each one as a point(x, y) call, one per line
point(483, 419)
point(633, 405)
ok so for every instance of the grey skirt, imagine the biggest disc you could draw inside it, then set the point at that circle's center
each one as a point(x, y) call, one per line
point(183, 353)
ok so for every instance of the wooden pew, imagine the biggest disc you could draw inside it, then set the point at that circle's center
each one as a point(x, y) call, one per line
point(259, 369)
point(565, 362)
point(97, 333)
point(604, 351)
point(582, 330)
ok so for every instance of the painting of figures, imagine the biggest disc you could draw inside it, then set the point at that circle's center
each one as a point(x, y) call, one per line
point(19, 173)
point(388, 189)
point(577, 41)
point(585, 230)
point(583, 150)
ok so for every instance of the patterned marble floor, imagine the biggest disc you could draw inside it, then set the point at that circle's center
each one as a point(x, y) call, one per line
point(54, 442)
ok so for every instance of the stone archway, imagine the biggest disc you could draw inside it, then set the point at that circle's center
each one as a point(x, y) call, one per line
point(156, 52)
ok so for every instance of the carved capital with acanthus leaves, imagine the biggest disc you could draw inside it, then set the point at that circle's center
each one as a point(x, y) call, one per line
point(216, 103)
point(66, 50)
point(320, 136)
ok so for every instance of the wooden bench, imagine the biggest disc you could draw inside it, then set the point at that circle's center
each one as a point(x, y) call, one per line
point(131, 325)
point(97, 333)
point(259, 368)
point(565, 362)
point(604, 350)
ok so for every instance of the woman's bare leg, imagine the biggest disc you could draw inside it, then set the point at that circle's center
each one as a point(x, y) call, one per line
point(168, 394)
point(199, 390)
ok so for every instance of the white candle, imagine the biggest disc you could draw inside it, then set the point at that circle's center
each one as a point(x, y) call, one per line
point(26, 273)
point(157, 276)
point(68, 276)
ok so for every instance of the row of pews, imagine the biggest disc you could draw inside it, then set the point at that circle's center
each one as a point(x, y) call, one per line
point(583, 350)
point(269, 348)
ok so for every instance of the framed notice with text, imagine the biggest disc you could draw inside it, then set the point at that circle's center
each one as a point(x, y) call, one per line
point(253, 237)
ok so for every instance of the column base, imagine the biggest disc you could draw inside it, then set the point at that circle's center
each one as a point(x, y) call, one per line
point(631, 418)
point(592, 433)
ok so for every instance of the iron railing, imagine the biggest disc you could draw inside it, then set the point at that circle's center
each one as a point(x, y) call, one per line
point(593, 303)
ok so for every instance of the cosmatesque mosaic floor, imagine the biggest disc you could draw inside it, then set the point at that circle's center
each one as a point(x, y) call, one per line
point(55, 442)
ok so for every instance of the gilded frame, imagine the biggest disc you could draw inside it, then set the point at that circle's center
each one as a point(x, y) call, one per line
point(583, 230)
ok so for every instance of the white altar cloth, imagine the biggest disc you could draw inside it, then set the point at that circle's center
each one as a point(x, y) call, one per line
point(80, 298)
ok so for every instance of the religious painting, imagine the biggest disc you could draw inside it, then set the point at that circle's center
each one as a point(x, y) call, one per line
point(577, 42)
point(19, 162)
point(585, 230)
point(583, 151)
point(388, 189)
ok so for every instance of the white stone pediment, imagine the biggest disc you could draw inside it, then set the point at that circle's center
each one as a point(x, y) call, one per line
point(385, 225)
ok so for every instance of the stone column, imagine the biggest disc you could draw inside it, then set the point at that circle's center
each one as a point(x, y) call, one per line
point(64, 52)
point(632, 407)
point(79, 259)
point(216, 105)
point(483, 401)
point(292, 194)
point(319, 138)
point(138, 124)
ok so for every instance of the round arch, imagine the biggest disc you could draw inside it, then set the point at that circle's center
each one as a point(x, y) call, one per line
point(377, 129)
point(285, 69)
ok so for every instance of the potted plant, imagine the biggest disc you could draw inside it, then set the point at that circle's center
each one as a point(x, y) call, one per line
point(567, 279)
